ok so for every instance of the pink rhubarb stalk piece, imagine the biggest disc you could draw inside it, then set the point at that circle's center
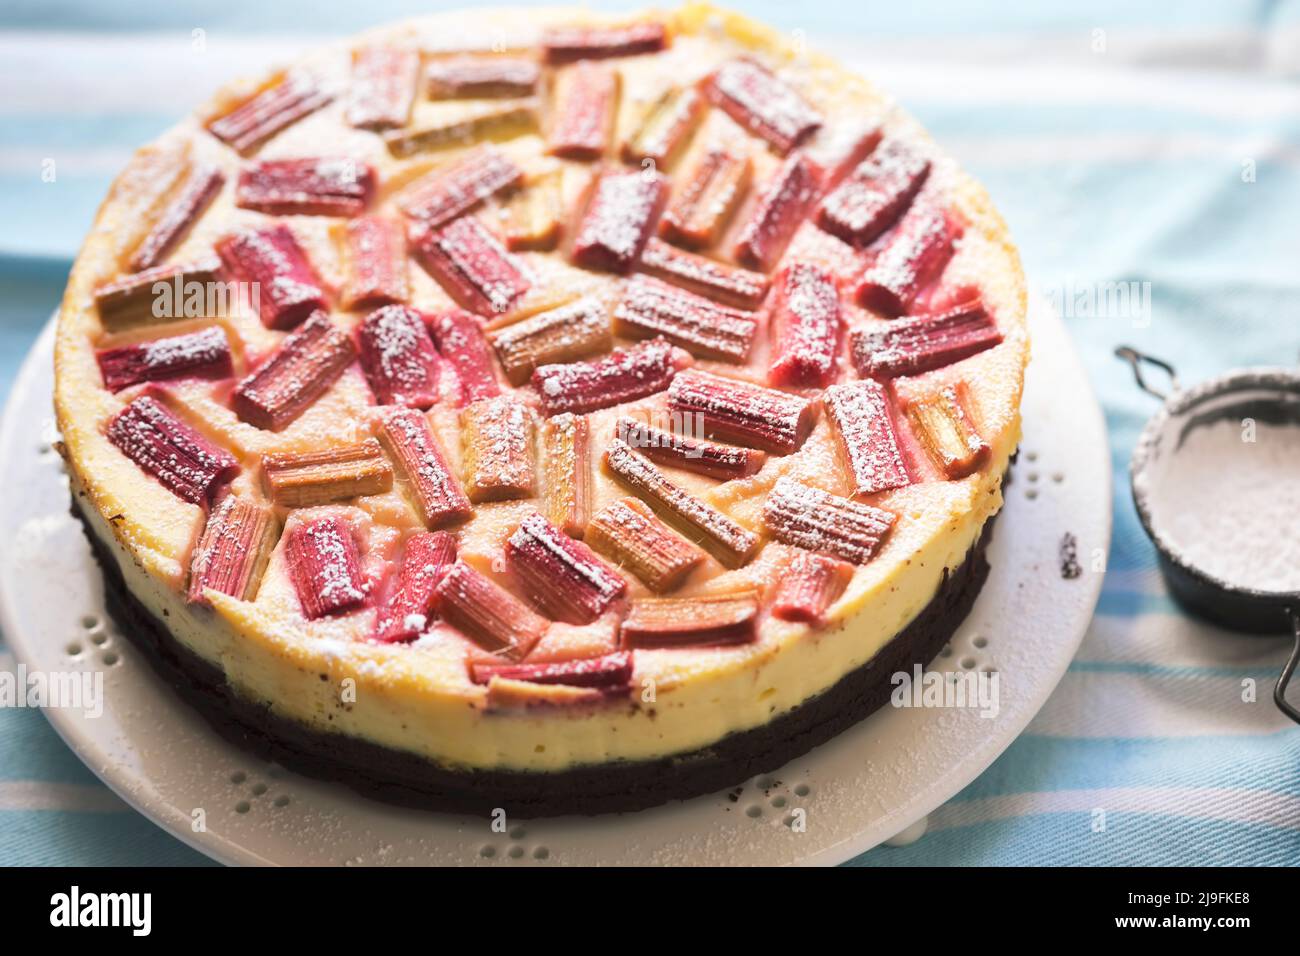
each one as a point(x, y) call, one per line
point(460, 338)
point(703, 620)
point(566, 334)
point(562, 576)
point(269, 111)
point(487, 613)
point(288, 289)
point(914, 256)
point(498, 436)
point(324, 566)
point(204, 354)
point(504, 120)
point(619, 217)
point(724, 462)
point(415, 451)
point(944, 428)
point(763, 103)
point(374, 260)
point(806, 327)
point(307, 363)
point(628, 533)
point(307, 479)
point(725, 539)
point(398, 357)
point(861, 419)
point(585, 104)
point(383, 86)
point(471, 265)
point(705, 329)
point(233, 550)
point(809, 585)
point(743, 412)
point(325, 186)
point(710, 278)
point(622, 376)
point(924, 343)
point(567, 44)
point(703, 206)
point(777, 213)
point(406, 612)
point(137, 299)
point(875, 194)
point(566, 472)
point(817, 520)
point(455, 189)
point(666, 127)
point(481, 77)
point(178, 217)
point(183, 461)
point(607, 671)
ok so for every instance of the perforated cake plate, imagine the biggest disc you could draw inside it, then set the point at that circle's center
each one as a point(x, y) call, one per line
point(867, 785)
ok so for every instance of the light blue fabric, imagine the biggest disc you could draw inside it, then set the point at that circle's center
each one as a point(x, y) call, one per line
point(1108, 166)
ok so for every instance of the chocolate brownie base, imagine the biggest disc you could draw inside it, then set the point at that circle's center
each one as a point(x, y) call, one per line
point(409, 780)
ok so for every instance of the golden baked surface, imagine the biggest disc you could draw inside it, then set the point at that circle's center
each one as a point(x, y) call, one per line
point(532, 390)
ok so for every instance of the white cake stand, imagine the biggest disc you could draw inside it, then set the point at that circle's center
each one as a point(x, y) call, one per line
point(877, 780)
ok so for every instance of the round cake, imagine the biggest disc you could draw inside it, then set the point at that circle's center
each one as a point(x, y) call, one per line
point(542, 411)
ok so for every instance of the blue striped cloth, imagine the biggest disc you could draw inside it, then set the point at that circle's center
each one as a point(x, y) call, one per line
point(1155, 143)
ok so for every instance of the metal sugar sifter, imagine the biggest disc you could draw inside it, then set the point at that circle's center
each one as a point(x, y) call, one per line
point(1216, 482)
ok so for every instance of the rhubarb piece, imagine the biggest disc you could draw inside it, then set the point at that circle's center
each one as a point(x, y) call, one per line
point(922, 344)
point(562, 576)
point(155, 295)
point(152, 179)
point(623, 375)
point(777, 213)
point(701, 209)
point(518, 695)
point(838, 151)
point(703, 276)
point(569, 43)
point(805, 326)
point(268, 112)
point(691, 454)
point(726, 540)
point(809, 585)
point(705, 329)
point(487, 613)
point(324, 566)
point(449, 192)
point(497, 435)
point(817, 520)
point(743, 412)
point(628, 533)
point(183, 461)
point(204, 354)
point(497, 123)
point(410, 443)
point(383, 86)
point(307, 363)
point(618, 219)
point(332, 474)
point(306, 187)
point(914, 256)
point(943, 426)
point(871, 199)
point(566, 472)
point(607, 671)
point(398, 357)
point(287, 288)
point(481, 77)
point(585, 103)
point(406, 613)
point(703, 620)
point(459, 337)
point(566, 334)
point(762, 103)
point(178, 216)
point(666, 127)
point(374, 259)
point(233, 550)
point(863, 426)
point(471, 265)
point(530, 218)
